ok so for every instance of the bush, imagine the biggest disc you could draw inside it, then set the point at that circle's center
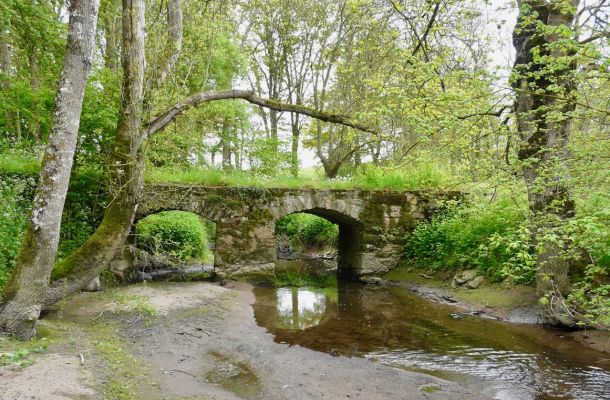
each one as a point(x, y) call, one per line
point(491, 237)
point(177, 234)
point(307, 230)
point(15, 203)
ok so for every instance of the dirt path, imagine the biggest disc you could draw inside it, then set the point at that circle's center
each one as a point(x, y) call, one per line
point(200, 341)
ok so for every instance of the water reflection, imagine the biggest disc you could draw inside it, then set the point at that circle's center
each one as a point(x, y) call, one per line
point(394, 327)
point(300, 308)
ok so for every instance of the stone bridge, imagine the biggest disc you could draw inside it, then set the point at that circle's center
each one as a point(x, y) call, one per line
point(372, 223)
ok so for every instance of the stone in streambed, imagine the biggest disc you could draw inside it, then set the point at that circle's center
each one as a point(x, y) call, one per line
point(463, 277)
point(476, 282)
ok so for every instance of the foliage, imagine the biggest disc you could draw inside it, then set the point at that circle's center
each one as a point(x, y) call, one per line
point(591, 297)
point(369, 177)
point(84, 208)
point(304, 230)
point(15, 202)
point(15, 162)
point(20, 357)
point(490, 236)
point(178, 234)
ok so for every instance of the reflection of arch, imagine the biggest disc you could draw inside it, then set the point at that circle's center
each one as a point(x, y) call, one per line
point(349, 249)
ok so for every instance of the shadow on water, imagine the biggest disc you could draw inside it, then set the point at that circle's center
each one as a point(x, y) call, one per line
point(394, 327)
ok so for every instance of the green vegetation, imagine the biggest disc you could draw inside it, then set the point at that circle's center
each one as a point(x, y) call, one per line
point(21, 164)
point(490, 236)
point(84, 210)
point(303, 230)
point(369, 177)
point(15, 204)
point(20, 357)
point(124, 370)
point(405, 97)
point(178, 235)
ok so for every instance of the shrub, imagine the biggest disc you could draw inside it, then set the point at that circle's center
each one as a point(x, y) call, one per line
point(15, 204)
point(178, 234)
point(491, 237)
point(307, 230)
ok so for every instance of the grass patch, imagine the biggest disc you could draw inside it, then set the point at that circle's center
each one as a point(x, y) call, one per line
point(19, 164)
point(21, 354)
point(131, 302)
point(123, 368)
point(423, 176)
point(491, 294)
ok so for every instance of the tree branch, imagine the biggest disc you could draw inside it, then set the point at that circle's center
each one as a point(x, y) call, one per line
point(165, 118)
point(174, 22)
point(497, 113)
point(601, 35)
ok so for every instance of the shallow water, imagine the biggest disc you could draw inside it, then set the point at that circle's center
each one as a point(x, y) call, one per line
point(394, 327)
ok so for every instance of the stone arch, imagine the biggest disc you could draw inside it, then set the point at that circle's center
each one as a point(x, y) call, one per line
point(350, 246)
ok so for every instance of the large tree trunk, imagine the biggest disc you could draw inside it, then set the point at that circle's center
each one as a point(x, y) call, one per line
point(126, 177)
point(543, 123)
point(23, 293)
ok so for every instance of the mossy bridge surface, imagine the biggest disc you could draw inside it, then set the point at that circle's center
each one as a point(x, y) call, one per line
point(372, 223)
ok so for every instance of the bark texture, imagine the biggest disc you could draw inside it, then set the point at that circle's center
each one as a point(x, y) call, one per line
point(22, 297)
point(543, 123)
point(127, 167)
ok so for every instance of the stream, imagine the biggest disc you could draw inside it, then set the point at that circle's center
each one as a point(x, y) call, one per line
point(392, 326)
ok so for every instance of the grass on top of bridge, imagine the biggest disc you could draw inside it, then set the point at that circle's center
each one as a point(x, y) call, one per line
point(418, 176)
point(371, 178)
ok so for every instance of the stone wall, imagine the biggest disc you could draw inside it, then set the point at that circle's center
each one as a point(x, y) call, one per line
point(372, 224)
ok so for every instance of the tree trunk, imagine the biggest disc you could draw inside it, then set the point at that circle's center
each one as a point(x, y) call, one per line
point(112, 33)
point(127, 173)
point(22, 297)
point(11, 117)
point(34, 87)
point(543, 123)
point(225, 142)
point(294, 155)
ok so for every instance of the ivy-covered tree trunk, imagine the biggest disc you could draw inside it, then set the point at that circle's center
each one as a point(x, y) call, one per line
point(127, 168)
point(543, 82)
point(23, 294)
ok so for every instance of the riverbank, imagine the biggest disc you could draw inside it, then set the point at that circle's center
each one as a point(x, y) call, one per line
point(190, 340)
point(509, 303)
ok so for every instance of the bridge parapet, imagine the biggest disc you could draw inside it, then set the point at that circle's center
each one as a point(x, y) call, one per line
point(372, 224)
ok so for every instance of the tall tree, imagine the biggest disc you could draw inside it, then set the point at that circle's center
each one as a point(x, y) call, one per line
point(545, 84)
point(22, 298)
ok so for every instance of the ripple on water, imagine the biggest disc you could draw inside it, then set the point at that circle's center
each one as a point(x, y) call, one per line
point(396, 328)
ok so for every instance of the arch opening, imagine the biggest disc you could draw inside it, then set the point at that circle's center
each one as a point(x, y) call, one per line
point(319, 242)
point(173, 245)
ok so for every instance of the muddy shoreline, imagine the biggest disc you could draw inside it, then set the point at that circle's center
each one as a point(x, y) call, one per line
point(197, 340)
